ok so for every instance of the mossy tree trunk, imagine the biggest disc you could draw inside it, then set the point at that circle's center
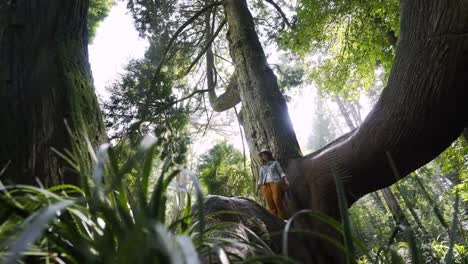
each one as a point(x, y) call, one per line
point(45, 80)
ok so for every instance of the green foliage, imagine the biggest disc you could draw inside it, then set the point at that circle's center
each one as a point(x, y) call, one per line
point(222, 172)
point(160, 20)
point(105, 222)
point(98, 10)
point(142, 102)
point(432, 191)
point(454, 163)
point(151, 17)
point(351, 39)
point(146, 98)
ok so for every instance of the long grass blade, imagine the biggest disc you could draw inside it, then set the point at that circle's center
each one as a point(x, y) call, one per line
point(201, 204)
point(34, 226)
point(98, 174)
point(190, 254)
point(343, 207)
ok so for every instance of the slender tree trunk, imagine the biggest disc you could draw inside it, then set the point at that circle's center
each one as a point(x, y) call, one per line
point(264, 113)
point(395, 208)
point(45, 79)
point(378, 202)
point(414, 214)
point(345, 113)
point(432, 202)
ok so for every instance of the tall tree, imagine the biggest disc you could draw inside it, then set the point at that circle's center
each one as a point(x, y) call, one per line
point(45, 80)
point(265, 115)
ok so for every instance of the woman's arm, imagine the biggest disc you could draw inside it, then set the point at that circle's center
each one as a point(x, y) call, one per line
point(281, 172)
point(260, 177)
point(279, 169)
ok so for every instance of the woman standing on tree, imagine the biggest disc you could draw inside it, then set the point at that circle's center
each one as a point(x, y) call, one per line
point(271, 178)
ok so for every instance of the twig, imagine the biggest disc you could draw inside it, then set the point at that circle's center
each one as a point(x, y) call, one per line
point(206, 47)
point(179, 30)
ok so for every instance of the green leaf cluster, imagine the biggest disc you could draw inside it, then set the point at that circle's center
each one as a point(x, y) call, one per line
point(222, 172)
point(350, 40)
point(142, 101)
point(98, 10)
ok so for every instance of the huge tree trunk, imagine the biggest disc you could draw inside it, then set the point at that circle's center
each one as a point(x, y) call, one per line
point(264, 111)
point(45, 79)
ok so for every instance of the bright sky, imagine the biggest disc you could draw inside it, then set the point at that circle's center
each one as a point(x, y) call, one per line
point(117, 42)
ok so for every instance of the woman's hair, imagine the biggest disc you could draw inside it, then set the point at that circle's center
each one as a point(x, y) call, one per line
point(270, 157)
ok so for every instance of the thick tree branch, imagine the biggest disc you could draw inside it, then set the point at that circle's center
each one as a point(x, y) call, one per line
point(420, 113)
point(228, 99)
point(231, 97)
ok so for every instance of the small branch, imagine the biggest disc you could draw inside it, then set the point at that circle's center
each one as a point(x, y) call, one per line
point(179, 30)
point(206, 47)
point(192, 94)
point(185, 98)
point(280, 11)
point(224, 59)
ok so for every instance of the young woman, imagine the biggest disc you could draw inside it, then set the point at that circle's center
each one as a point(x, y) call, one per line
point(271, 179)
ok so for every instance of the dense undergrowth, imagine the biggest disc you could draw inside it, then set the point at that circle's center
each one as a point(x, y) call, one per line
point(108, 220)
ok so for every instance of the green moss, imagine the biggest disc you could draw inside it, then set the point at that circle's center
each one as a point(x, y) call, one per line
point(83, 114)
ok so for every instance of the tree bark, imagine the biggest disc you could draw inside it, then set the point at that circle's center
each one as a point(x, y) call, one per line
point(228, 99)
point(264, 114)
point(432, 202)
point(260, 221)
point(45, 79)
point(378, 202)
point(392, 203)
